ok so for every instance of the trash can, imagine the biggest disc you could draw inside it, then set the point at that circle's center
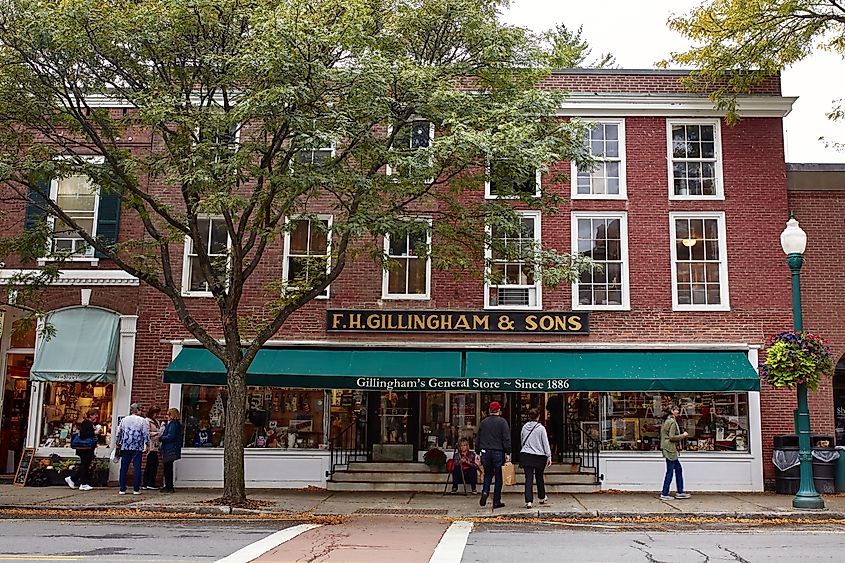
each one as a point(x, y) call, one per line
point(840, 470)
point(788, 468)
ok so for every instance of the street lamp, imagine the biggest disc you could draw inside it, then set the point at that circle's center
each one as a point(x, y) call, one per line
point(793, 240)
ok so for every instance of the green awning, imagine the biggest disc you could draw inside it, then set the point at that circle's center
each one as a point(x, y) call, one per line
point(617, 370)
point(321, 368)
point(493, 370)
point(83, 347)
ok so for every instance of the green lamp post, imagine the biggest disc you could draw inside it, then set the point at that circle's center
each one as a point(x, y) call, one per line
point(793, 240)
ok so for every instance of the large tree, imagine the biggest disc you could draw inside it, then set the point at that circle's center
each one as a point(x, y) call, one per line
point(739, 43)
point(255, 111)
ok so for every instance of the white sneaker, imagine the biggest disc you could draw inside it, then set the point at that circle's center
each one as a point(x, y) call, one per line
point(544, 500)
point(666, 497)
point(683, 495)
point(527, 505)
point(85, 487)
point(70, 482)
point(121, 492)
point(136, 492)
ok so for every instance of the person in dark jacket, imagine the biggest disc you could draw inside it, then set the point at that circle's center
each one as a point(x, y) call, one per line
point(171, 447)
point(88, 429)
point(494, 443)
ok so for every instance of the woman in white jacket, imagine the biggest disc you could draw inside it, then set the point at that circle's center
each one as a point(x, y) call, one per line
point(534, 456)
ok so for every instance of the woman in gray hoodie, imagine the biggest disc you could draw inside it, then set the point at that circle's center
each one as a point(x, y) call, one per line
point(534, 456)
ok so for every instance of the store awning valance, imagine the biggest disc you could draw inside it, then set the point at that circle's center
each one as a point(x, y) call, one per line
point(321, 368)
point(83, 347)
point(490, 370)
point(619, 370)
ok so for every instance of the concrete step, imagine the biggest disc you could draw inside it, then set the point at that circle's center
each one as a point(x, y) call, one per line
point(419, 467)
point(438, 487)
point(430, 477)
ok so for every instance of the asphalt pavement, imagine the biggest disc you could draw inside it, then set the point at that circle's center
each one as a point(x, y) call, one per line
point(317, 502)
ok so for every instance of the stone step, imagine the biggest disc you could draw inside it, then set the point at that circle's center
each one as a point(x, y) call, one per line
point(438, 487)
point(429, 477)
point(419, 467)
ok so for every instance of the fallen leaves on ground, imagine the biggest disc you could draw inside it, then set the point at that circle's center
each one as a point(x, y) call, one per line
point(131, 514)
point(250, 504)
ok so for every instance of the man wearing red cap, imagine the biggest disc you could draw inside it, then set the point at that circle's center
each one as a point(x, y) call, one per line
point(494, 443)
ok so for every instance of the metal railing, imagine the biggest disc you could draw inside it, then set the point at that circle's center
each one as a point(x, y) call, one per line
point(581, 449)
point(347, 446)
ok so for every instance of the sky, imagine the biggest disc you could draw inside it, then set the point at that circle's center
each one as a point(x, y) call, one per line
point(635, 32)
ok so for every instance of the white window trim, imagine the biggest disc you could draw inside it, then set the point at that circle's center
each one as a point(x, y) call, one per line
point(724, 294)
point(385, 273)
point(388, 168)
point(538, 190)
point(186, 262)
point(538, 286)
point(88, 257)
point(623, 234)
point(717, 139)
point(320, 217)
point(623, 157)
point(331, 148)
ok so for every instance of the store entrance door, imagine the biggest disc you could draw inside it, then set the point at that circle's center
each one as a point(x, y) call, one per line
point(16, 396)
point(393, 425)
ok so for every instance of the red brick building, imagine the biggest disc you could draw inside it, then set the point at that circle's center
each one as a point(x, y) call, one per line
point(684, 213)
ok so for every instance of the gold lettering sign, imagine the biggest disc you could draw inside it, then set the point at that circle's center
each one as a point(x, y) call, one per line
point(456, 322)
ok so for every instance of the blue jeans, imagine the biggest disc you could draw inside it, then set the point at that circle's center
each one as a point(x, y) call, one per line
point(468, 477)
point(133, 456)
point(493, 460)
point(673, 466)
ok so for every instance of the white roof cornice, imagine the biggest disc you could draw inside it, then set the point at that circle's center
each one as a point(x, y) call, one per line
point(79, 277)
point(586, 104)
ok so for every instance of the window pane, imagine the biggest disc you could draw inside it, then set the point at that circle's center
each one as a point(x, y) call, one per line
point(684, 295)
point(585, 295)
point(203, 227)
point(197, 280)
point(299, 236)
point(219, 237)
point(713, 294)
point(416, 276)
point(398, 245)
point(416, 243)
point(396, 277)
point(76, 194)
point(319, 237)
point(420, 133)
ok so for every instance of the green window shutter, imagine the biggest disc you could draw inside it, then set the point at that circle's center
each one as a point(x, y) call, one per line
point(36, 202)
point(108, 218)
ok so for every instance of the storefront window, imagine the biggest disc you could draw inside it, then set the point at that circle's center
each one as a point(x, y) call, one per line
point(448, 417)
point(632, 421)
point(347, 407)
point(276, 418)
point(65, 406)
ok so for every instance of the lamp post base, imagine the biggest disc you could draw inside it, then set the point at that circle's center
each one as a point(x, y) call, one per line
point(812, 502)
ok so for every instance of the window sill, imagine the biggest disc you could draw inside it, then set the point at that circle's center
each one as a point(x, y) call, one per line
point(75, 259)
point(699, 308)
point(409, 297)
point(717, 197)
point(601, 308)
point(513, 308)
point(600, 197)
point(509, 197)
point(197, 294)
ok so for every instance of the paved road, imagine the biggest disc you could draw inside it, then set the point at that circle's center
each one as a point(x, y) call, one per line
point(411, 539)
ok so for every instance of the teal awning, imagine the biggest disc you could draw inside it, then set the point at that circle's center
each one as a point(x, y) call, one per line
point(320, 368)
point(618, 370)
point(493, 370)
point(83, 347)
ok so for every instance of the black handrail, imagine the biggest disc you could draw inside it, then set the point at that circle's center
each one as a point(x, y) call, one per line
point(347, 446)
point(581, 449)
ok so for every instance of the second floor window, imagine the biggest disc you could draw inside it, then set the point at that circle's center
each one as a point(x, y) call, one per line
point(215, 239)
point(606, 180)
point(602, 237)
point(411, 137)
point(408, 276)
point(503, 182)
point(699, 269)
point(694, 160)
point(78, 197)
point(307, 251)
point(512, 278)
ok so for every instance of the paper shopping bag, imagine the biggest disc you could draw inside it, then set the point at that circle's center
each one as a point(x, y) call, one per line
point(509, 474)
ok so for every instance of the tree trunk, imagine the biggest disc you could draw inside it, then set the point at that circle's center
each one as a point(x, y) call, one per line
point(234, 488)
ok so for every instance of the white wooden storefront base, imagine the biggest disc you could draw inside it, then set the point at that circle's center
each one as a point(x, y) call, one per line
point(271, 469)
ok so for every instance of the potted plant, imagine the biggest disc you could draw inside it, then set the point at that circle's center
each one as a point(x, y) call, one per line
point(435, 459)
point(796, 357)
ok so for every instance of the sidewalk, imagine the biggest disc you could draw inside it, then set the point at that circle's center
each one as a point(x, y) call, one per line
point(326, 503)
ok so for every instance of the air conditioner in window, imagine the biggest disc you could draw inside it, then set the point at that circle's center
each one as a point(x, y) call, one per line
point(513, 296)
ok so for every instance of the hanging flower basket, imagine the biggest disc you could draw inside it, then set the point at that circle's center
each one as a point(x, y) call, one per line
point(796, 357)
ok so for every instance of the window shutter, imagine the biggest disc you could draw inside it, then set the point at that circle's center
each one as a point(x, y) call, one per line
point(108, 218)
point(36, 198)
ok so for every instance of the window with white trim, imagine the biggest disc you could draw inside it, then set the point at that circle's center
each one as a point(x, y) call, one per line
point(315, 156)
point(501, 182)
point(215, 238)
point(512, 281)
point(307, 251)
point(412, 136)
point(695, 167)
point(606, 180)
point(408, 272)
point(602, 236)
point(699, 261)
point(79, 198)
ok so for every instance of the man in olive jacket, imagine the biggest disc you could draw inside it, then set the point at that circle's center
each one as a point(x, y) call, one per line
point(494, 443)
point(670, 435)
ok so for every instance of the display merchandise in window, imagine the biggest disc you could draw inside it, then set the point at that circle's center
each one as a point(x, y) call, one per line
point(275, 418)
point(65, 405)
point(448, 418)
point(632, 421)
